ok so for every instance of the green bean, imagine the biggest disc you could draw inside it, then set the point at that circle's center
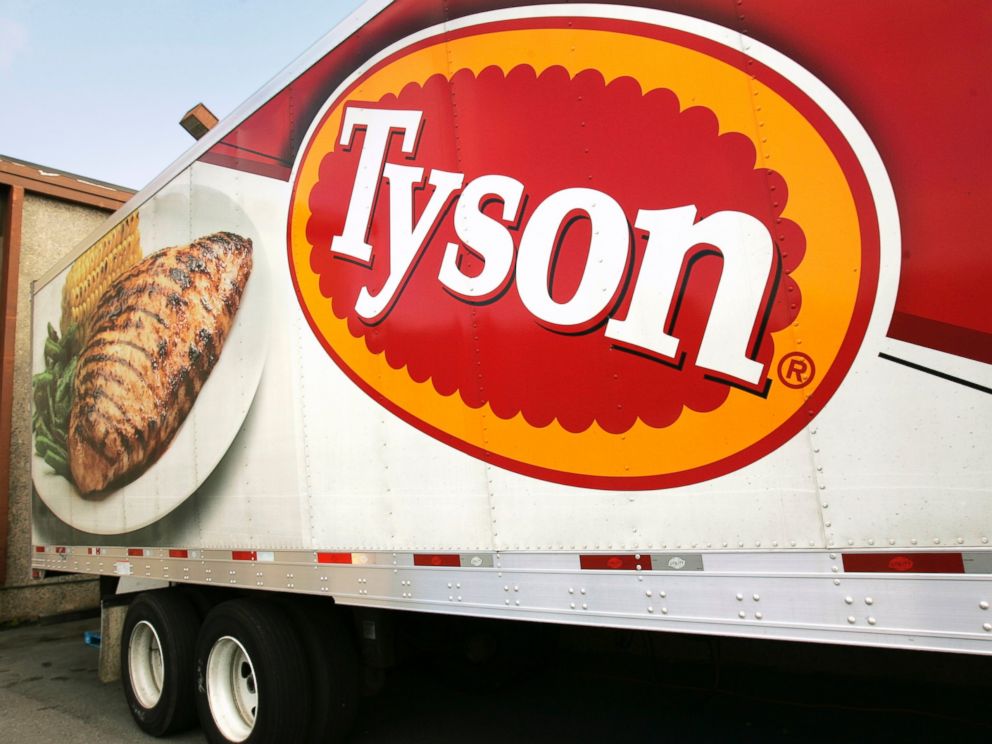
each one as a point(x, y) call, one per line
point(64, 387)
point(45, 445)
point(50, 400)
point(58, 463)
point(43, 378)
point(41, 427)
point(53, 350)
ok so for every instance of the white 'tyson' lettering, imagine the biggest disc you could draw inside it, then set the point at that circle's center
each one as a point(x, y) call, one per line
point(744, 243)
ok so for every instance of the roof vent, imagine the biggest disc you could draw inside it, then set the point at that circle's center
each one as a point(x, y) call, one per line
point(198, 121)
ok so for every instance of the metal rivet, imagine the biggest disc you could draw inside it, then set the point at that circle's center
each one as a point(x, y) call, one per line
point(869, 601)
point(983, 604)
point(740, 597)
point(662, 594)
point(742, 614)
point(755, 597)
point(647, 593)
point(987, 627)
point(871, 620)
point(758, 615)
point(848, 600)
point(664, 610)
point(650, 608)
point(851, 619)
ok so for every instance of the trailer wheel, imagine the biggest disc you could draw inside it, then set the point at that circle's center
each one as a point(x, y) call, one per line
point(334, 668)
point(251, 675)
point(158, 642)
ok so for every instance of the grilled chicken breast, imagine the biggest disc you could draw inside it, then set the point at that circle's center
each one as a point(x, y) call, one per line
point(157, 333)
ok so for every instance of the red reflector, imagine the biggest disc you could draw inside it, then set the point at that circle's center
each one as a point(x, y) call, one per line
point(598, 562)
point(135, 551)
point(244, 555)
point(904, 562)
point(333, 557)
point(39, 548)
point(60, 549)
point(174, 553)
point(437, 559)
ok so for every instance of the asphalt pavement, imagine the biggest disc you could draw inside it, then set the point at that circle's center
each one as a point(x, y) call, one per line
point(595, 688)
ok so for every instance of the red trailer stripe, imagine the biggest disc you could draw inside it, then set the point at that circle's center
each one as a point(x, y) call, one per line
point(599, 562)
point(244, 555)
point(135, 551)
point(437, 559)
point(39, 548)
point(175, 553)
point(904, 562)
point(333, 557)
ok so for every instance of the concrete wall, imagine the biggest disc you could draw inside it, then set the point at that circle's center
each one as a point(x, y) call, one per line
point(50, 229)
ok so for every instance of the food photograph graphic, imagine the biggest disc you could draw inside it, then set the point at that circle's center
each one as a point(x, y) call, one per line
point(130, 340)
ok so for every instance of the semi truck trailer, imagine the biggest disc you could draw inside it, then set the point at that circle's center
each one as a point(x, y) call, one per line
point(670, 316)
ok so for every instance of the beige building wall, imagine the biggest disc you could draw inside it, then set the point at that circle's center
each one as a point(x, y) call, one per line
point(50, 228)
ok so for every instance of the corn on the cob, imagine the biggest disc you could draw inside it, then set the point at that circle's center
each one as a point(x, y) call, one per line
point(95, 270)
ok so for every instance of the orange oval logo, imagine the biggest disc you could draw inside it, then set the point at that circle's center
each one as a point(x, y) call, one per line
point(607, 252)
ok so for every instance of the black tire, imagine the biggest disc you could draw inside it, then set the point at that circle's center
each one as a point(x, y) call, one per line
point(257, 656)
point(334, 668)
point(161, 700)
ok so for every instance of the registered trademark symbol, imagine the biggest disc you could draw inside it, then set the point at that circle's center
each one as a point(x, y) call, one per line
point(796, 370)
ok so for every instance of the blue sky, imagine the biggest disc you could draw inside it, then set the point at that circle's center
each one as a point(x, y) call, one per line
point(97, 87)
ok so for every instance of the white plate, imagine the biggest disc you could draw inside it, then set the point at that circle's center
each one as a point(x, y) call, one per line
point(223, 402)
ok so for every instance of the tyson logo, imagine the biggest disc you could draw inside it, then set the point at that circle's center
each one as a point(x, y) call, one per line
point(612, 252)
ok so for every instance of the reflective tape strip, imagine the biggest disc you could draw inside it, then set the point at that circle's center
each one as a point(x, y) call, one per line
point(446, 560)
point(61, 549)
point(139, 552)
point(39, 548)
point(178, 553)
point(601, 562)
point(243, 555)
point(477, 560)
point(977, 563)
point(676, 562)
point(344, 558)
point(904, 562)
